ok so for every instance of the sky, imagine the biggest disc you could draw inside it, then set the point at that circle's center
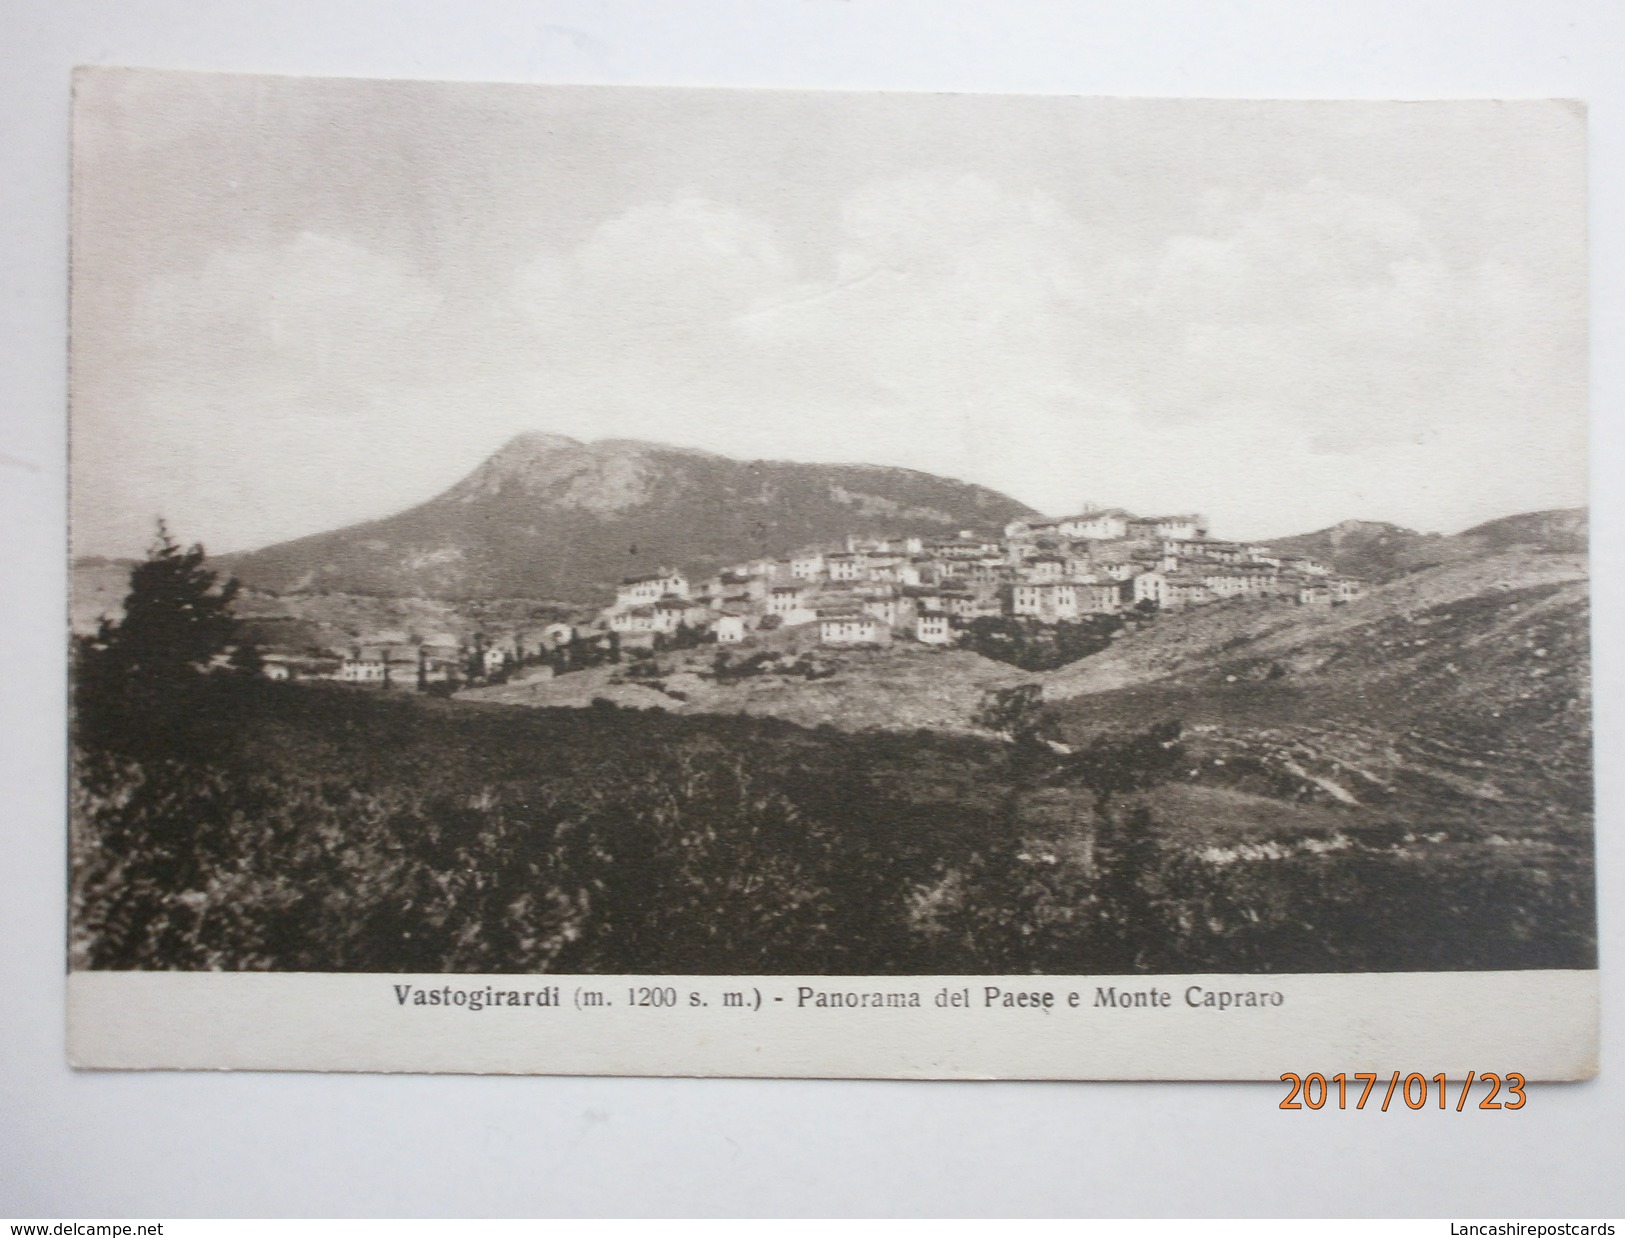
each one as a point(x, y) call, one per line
point(301, 303)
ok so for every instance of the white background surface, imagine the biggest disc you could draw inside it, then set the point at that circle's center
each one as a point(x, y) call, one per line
point(83, 1145)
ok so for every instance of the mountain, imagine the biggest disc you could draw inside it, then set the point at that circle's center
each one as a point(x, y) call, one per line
point(1564, 531)
point(550, 517)
point(1374, 550)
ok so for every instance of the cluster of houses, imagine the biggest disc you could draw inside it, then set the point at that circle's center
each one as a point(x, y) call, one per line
point(873, 589)
point(421, 664)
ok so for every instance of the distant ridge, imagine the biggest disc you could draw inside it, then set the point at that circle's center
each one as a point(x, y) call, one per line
point(553, 518)
point(1378, 551)
point(1563, 530)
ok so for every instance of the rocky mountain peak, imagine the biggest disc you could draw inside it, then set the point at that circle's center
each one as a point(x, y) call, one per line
point(548, 516)
point(532, 444)
point(561, 472)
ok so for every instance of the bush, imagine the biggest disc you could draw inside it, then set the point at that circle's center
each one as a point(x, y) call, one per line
point(1035, 646)
point(304, 827)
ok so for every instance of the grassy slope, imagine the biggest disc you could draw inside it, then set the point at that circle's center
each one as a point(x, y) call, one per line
point(903, 688)
point(1204, 638)
point(1446, 716)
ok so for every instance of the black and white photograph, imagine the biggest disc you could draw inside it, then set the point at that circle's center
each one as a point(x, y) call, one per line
point(871, 539)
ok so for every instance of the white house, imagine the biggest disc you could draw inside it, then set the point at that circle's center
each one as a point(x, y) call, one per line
point(1044, 569)
point(895, 612)
point(933, 630)
point(978, 605)
point(642, 590)
point(1309, 567)
point(1050, 601)
point(843, 567)
point(1318, 594)
point(783, 599)
point(1102, 526)
point(845, 627)
point(1099, 599)
point(1227, 584)
point(1179, 528)
point(364, 665)
point(633, 619)
point(1120, 570)
point(1180, 589)
point(729, 629)
point(789, 602)
point(887, 568)
point(1027, 600)
point(671, 613)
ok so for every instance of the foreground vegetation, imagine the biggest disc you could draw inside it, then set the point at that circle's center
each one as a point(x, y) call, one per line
point(251, 825)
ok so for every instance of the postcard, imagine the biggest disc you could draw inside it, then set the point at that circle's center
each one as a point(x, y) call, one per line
point(712, 582)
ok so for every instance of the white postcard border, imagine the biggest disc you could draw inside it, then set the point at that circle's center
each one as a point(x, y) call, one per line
point(1541, 1024)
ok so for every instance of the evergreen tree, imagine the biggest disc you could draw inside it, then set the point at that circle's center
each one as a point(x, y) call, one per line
point(140, 682)
point(177, 618)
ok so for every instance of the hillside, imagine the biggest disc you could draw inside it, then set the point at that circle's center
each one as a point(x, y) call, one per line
point(1452, 706)
point(1561, 531)
point(555, 519)
point(905, 688)
point(1202, 640)
point(1413, 649)
point(1374, 550)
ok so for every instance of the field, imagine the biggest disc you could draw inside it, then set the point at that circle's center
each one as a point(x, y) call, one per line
point(254, 825)
point(906, 687)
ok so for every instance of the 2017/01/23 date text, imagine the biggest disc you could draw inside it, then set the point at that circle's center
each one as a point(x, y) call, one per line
point(1313, 1091)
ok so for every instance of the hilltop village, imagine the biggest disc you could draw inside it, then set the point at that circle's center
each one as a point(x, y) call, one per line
point(871, 591)
point(874, 590)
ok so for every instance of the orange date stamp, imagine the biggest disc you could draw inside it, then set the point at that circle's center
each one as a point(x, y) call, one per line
point(1316, 1090)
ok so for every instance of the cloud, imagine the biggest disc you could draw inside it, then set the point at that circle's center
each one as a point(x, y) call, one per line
point(968, 327)
point(1315, 338)
point(1319, 305)
point(1284, 359)
point(962, 305)
point(313, 311)
point(656, 275)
